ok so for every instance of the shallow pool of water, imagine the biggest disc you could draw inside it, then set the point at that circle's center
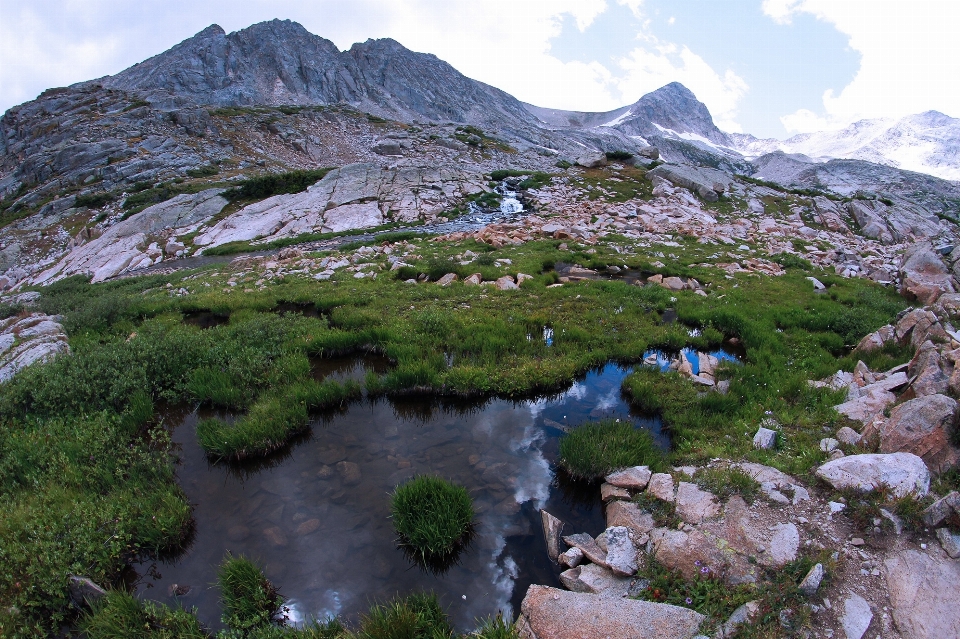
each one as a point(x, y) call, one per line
point(317, 516)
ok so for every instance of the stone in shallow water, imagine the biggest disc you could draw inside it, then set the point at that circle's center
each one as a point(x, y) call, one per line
point(549, 613)
point(551, 533)
point(595, 579)
point(588, 545)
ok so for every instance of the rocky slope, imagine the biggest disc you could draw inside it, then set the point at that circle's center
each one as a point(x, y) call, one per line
point(925, 143)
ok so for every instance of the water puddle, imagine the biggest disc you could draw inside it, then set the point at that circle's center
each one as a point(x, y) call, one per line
point(317, 517)
point(206, 319)
point(354, 368)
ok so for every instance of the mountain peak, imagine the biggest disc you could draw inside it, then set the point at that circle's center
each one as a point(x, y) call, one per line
point(214, 30)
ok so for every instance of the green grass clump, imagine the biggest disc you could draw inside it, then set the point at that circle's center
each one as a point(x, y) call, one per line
point(593, 451)
point(497, 628)
point(417, 616)
point(432, 516)
point(273, 420)
point(248, 598)
point(725, 482)
point(121, 615)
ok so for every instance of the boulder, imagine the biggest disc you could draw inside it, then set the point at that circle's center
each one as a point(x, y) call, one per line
point(473, 280)
point(387, 147)
point(549, 613)
point(592, 160)
point(950, 542)
point(904, 473)
point(876, 340)
point(629, 515)
point(924, 594)
point(661, 487)
point(848, 436)
point(811, 583)
point(923, 426)
point(587, 545)
point(621, 553)
point(83, 591)
point(867, 406)
point(693, 178)
point(926, 368)
point(635, 478)
point(942, 509)
point(447, 279)
point(506, 283)
point(594, 579)
point(925, 277)
point(694, 505)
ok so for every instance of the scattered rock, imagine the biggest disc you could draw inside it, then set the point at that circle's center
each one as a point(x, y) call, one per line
point(549, 613)
point(937, 512)
point(811, 583)
point(621, 553)
point(552, 528)
point(950, 542)
point(661, 487)
point(635, 479)
point(83, 591)
point(592, 160)
point(474, 280)
point(587, 545)
point(572, 558)
point(349, 473)
point(765, 439)
point(609, 492)
point(594, 579)
point(856, 616)
point(506, 283)
point(848, 436)
point(447, 279)
point(828, 444)
point(742, 615)
point(904, 473)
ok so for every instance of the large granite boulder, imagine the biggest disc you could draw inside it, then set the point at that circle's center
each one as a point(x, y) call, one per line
point(923, 426)
point(925, 277)
point(549, 613)
point(904, 473)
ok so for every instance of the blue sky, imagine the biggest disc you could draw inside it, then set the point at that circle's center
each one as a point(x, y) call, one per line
point(768, 67)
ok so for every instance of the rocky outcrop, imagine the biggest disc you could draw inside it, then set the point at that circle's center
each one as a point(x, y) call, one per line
point(356, 196)
point(549, 613)
point(133, 243)
point(29, 340)
point(705, 182)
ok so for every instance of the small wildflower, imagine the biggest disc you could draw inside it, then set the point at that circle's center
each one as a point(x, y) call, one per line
point(704, 570)
point(696, 563)
point(688, 600)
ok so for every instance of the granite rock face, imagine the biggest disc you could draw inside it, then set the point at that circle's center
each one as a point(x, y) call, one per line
point(904, 473)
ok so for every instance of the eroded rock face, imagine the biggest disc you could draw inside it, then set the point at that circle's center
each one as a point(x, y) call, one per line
point(355, 196)
point(904, 473)
point(28, 340)
point(549, 613)
point(924, 594)
point(923, 426)
point(925, 276)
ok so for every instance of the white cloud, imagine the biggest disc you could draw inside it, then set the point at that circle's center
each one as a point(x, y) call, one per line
point(910, 58)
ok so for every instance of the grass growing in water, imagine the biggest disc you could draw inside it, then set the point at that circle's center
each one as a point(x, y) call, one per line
point(248, 598)
point(120, 614)
point(432, 516)
point(592, 451)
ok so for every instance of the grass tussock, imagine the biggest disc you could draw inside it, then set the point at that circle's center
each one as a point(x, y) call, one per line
point(432, 516)
point(121, 615)
point(248, 598)
point(726, 482)
point(593, 451)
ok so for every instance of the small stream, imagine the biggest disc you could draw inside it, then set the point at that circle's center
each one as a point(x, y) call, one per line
point(317, 515)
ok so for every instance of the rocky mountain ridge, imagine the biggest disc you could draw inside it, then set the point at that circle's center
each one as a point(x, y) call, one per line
point(925, 143)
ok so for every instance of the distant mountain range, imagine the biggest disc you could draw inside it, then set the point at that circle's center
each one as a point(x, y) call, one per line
point(926, 143)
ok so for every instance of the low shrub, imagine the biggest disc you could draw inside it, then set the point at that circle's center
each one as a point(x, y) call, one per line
point(207, 170)
point(264, 186)
point(432, 516)
point(592, 451)
point(618, 156)
point(247, 596)
point(94, 200)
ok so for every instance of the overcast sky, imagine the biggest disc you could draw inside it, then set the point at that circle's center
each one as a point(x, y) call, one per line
point(768, 67)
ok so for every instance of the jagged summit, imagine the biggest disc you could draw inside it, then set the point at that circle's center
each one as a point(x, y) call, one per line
point(672, 110)
point(281, 63)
